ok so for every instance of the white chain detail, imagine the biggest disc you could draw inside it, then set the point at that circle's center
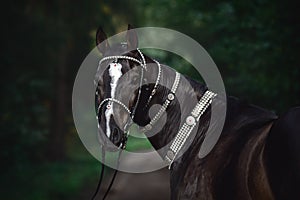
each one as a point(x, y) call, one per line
point(143, 64)
point(122, 57)
point(143, 58)
point(158, 74)
point(116, 101)
point(188, 126)
point(176, 83)
point(164, 106)
point(156, 83)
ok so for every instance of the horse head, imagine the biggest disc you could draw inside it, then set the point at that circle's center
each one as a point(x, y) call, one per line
point(119, 87)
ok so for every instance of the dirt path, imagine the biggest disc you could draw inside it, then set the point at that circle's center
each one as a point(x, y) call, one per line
point(148, 186)
point(130, 186)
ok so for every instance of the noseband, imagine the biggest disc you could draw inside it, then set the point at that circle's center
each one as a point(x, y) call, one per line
point(190, 122)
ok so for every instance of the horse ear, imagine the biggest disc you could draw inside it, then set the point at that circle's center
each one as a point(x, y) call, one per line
point(132, 38)
point(101, 41)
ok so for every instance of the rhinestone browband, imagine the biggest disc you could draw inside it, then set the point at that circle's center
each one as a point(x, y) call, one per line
point(116, 101)
point(123, 57)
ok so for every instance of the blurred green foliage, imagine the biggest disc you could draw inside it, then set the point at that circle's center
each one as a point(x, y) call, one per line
point(55, 180)
point(254, 43)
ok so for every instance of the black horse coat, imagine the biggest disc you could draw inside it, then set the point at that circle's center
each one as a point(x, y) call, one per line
point(256, 157)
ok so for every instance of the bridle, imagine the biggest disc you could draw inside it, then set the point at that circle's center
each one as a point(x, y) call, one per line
point(132, 111)
point(185, 130)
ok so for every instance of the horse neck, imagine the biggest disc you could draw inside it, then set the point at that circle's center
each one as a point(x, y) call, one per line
point(187, 95)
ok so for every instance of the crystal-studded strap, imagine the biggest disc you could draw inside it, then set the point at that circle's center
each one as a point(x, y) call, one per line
point(203, 103)
point(122, 57)
point(165, 105)
point(116, 101)
point(156, 82)
point(188, 126)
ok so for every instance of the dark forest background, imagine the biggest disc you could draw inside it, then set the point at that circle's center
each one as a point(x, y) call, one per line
point(255, 44)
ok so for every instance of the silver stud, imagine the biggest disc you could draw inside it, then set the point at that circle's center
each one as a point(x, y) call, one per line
point(170, 154)
point(148, 127)
point(171, 97)
point(190, 120)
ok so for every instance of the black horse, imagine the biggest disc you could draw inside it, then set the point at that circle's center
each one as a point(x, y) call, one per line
point(256, 157)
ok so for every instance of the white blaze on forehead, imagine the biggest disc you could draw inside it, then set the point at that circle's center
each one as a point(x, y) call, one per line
point(115, 73)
